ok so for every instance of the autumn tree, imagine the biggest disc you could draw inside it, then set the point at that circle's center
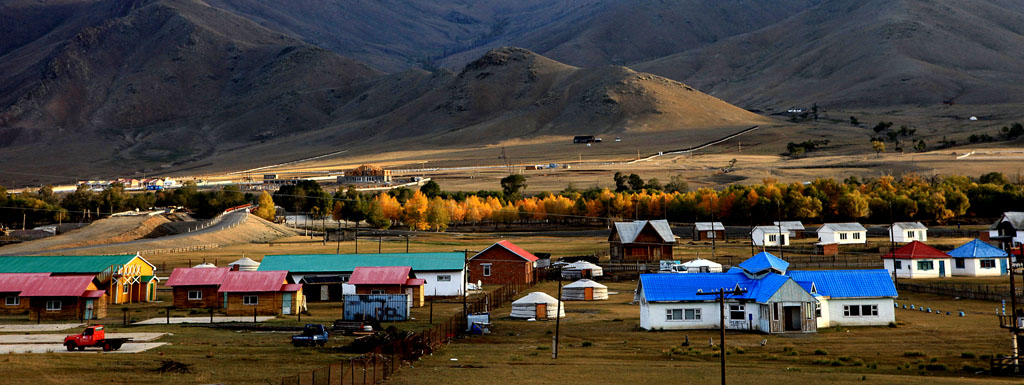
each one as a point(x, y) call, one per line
point(415, 212)
point(879, 147)
point(437, 214)
point(512, 185)
point(265, 206)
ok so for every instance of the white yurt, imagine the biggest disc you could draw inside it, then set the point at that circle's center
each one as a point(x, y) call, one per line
point(581, 269)
point(204, 265)
point(537, 303)
point(244, 264)
point(701, 265)
point(584, 290)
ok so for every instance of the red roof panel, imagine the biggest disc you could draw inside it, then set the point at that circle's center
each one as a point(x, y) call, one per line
point(291, 287)
point(916, 250)
point(16, 282)
point(389, 275)
point(61, 286)
point(253, 281)
point(94, 293)
point(512, 248)
point(415, 282)
point(192, 276)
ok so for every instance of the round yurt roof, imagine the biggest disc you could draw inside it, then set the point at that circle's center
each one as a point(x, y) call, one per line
point(204, 266)
point(584, 283)
point(535, 298)
point(701, 262)
point(245, 261)
point(583, 265)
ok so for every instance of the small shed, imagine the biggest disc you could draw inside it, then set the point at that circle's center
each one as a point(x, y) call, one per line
point(584, 290)
point(376, 307)
point(917, 260)
point(826, 248)
point(11, 285)
point(502, 263)
point(261, 292)
point(843, 233)
point(701, 265)
point(581, 269)
point(769, 236)
point(69, 297)
point(244, 264)
point(537, 305)
point(643, 241)
point(795, 228)
point(704, 231)
point(1011, 224)
point(978, 259)
point(196, 288)
point(904, 232)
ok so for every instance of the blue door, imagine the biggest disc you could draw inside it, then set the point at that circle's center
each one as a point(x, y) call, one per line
point(942, 268)
point(88, 309)
point(1002, 266)
point(286, 303)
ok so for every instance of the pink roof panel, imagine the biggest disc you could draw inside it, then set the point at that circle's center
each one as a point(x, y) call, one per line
point(291, 287)
point(94, 293)
point(61, 286)
point(253, 281)
point(415, 282)
point(390, 275)
point(190, 276)
point(514, 249)
point(16, 282)
point(916, 250)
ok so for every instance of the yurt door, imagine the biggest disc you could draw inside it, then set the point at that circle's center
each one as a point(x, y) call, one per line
point(286, 303)
point(542, 311)
point(588, 293)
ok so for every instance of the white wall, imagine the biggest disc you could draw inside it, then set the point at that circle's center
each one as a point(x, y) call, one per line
point(833, 237)
point(886, 312)
point(434, 288)
point(652, 316)
point(972, 268)
point(900, 235)
point(910, 270)
point(760, 238)
point(825, 320)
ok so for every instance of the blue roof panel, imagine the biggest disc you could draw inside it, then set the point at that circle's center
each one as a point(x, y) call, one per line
point(977, 249)
point(684, 287)
point(763, 261)
point(848, 283)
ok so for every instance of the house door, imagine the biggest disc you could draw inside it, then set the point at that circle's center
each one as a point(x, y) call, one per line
point(588, 293)
point(1002, 266)
point(792, 318)
point(542, 311)
point(942, 268)
point(286, 303)
point(325, 293)
point(88, 309)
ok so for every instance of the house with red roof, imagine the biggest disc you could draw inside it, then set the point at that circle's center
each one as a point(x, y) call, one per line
point(262, 292)
point(66, 297)
point(388, 280)
point(917, 260)
point(502, 263)
point(197, 288)
point(11, 285)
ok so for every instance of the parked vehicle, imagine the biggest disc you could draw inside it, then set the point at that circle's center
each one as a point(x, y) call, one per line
point(93, 336)
point(312, 334)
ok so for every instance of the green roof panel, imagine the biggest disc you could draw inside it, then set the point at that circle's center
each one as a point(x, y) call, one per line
point(66, 264)
point(322, 263)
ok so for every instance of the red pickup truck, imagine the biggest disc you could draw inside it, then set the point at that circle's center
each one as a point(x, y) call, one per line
point(93, 336)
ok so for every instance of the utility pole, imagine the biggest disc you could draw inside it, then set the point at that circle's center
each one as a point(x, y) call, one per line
point(782, 254)
point(721, 293)
point(558, 313)
point(465, 282)
point(714, 235)
point(892, 246)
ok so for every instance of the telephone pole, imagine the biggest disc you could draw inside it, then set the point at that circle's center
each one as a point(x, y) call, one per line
point(721, 293)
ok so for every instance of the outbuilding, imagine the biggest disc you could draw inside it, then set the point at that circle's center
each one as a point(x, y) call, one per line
point(537, 305)
point(706, 231)
point(904, 232)
point(197, 288)
point(245, 264)
point(916, 260)
point(843, 233)
point(125, 278)
point(69, 297)
point(11, 285)
point(795, 228)
point(979, 259)
point(584, 290)
point(641, 241)
point(850, 297)
point(388, 280)
point(261, 292)
point(1011, 224)
point(769, 236)
point(502, 263)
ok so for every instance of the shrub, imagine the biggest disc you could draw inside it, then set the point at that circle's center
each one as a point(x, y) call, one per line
point(845, 359)
point(820, 352)
point(985, 356)
point(972, 369)
point(822, 362)
point(935, 367)
point(913, 354)
point(967, 355)
point(515, 357)
point(934, 359)
point(837, 363)
point(587, 344)
point(740, 350)
point(543, 347)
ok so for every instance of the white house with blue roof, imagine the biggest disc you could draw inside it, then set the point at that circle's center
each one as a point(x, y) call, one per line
point(776, 301)
point(978, 259)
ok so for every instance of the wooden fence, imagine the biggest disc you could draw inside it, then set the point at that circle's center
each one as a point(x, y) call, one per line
point(378, 365)
point(979, 292)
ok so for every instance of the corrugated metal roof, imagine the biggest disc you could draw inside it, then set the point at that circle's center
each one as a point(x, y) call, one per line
point(973, 249)
point(252, 281)
point(763, 261)
point(512, 248)
point(1016, 219)
point(848, 283)
point(707, 226)
point(94, 293)
point(16, 282)
point(770, 229)
point(790, 225)
point(684, 287)
point(415, 282)
point(910, 225)
point(380, 275)
point(848, 226)
point(291, 287)
point(345, 263)
point(59, 286)
point(64, 264)
point(916, 250)
point(628, 231)
point(191, 276)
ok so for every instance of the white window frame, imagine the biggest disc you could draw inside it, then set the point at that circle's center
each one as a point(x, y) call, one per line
point(486, 267)
point(897, 264)
point(197, 297)
point(959, 263)
point(772, 237)
point(842, 236)
point(711, 234)
point(681, 314)
point(910, 234)
point(737, 308)
point(860, 310)
point(250, 300)
point(856, 235)
point(12, 301)
point(51, 307)
point(925, 265)
point(982, 263)
point(378, 291)
point(444, 278)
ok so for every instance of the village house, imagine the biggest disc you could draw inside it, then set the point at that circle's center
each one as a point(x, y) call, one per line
point(125, 278)
point(261, 293)
point(1011, 224)
point(916, 260)
point(197, 288)
point(795, 228)
point(641, 241)
point(66, 297)
point(904, 232)
point(843, 233)
point(325, 276)
point(978, 259)
point(388, 280)
point(502, 263)
point(769, 236)
point(850, 297)
point(11, 285)
point(706, 231)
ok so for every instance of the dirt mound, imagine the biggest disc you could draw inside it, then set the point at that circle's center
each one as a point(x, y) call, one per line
point(104, 231)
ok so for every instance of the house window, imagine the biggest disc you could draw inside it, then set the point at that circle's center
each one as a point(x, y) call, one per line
point(925, 265)
point(842, 236)
point(53, 305)
point(250, 300)
point(898, 265)
point(810, 311)
point(444, 278)
point(988, 264)
point(817, 310)
point(124, 288)
point(772, 237)
point(958, 263)
point(711, 234)
point(775, 313)
point(195, 295)
point(736, 312)
point(856, 235)
point(682, 314)
point(13, 301)
point(487, 269)
point(860, 310)
point(910, 234)
point(377, 291)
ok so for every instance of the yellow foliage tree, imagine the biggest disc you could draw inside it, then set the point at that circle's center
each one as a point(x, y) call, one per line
point(265, 208)
point(389, 207)
point(415, 212)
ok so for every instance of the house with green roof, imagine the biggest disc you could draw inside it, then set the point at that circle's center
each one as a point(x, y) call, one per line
point(126, 278)
point(325, 276)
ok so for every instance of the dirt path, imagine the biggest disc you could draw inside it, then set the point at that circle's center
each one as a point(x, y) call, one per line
point(104, 231)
